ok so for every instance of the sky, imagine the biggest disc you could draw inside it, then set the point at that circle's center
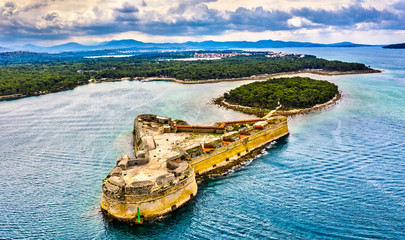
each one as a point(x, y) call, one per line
point(51, 22)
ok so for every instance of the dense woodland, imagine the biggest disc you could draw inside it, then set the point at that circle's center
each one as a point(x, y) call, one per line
point(37, 73)
point(295, 92)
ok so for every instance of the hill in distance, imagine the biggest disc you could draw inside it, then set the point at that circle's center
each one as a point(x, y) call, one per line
point(3, 49)
point(131, 44)
point(396, 46)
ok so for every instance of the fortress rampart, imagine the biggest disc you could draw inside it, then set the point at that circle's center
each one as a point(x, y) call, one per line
point(238, 148)
point(124, 205)
point(169, 155)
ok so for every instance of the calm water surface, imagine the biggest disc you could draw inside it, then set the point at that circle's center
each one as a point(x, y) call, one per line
point(340, 174)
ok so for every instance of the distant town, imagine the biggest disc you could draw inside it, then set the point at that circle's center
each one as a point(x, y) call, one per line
point(234, 54)
point(216, 54)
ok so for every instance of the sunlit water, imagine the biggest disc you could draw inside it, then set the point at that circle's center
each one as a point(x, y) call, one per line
point(339, 174)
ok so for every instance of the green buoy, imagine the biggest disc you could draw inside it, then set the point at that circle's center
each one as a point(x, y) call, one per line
point(139, 215)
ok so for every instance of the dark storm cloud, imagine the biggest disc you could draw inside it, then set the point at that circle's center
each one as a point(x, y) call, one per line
point(345, 16)
point(126, 18)
point(211, 21)
point(127, 13)
point(258, 19)
point(127, 8)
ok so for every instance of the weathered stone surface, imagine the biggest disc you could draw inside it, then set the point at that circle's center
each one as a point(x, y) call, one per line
point(247, 130)
point(215, 143)
point(149, 142)
point(181, 169)
point(165, 178)
point(261, 125)
point(231, 136)
point(194, 151)
point(123, 163)
point(140, 154)
point(111, 188)
point(138, 161)
point(172, 165)
point(139, 187)
point(117, 171)
point(117, 181)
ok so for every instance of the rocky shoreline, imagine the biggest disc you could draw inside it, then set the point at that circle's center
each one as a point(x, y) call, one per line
point(17, 96)
point(329, 103)
point(263, 112)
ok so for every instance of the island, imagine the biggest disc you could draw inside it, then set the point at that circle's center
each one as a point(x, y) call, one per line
point(281, 96)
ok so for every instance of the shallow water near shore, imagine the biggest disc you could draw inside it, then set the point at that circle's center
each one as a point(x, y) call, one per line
point(339, 174)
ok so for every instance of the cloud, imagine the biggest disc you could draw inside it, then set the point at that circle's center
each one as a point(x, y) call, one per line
point(399, 5)
point(51, 17)
point(345, 16)
point(59, 19)
point(258, 19)
point(127, 8)
point(300, 22)
point(8, 9)
point(34, 6)
point(126, 13)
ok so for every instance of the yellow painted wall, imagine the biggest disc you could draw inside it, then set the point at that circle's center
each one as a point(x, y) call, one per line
point(150, 206)
point(207, 161)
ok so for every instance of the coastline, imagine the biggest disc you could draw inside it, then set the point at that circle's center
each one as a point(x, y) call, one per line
point(253, 78)
point(275, 112)
point(20, 95)
point(317, 107)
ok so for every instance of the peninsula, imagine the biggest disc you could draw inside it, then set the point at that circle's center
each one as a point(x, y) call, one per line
point(25, 74)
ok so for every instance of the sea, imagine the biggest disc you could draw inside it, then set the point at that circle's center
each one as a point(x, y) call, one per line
point(340, 174)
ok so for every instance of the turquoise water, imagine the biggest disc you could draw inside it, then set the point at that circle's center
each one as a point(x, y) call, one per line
point(340, 173)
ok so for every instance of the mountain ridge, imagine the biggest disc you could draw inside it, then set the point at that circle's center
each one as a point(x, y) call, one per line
point(132, 44)
point(395, 46)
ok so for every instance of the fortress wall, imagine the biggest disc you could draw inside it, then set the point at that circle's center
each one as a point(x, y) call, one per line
point(151, 206)
point(248, 121)
point(238, 148)
point(136, 135)
point(201, 130)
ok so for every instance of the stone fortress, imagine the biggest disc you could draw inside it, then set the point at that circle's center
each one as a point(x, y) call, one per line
point(171, 156)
